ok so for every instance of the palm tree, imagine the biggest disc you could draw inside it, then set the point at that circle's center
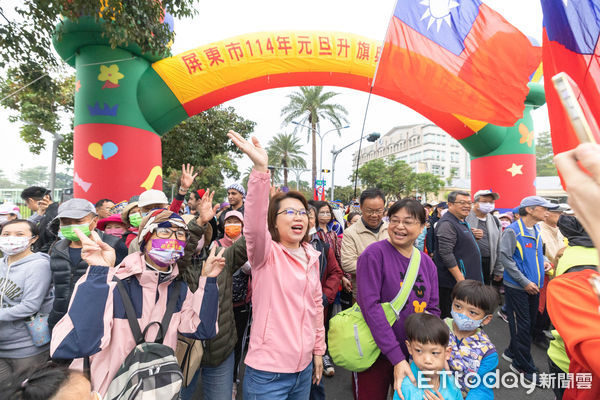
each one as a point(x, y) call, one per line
point(284, 151)
point(310, 105)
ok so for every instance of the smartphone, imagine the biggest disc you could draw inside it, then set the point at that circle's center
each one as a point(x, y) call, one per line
point(565, 88)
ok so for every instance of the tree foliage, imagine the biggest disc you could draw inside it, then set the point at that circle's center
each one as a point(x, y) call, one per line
point(202, 142)
point(27, 38)
point(310, 105)
point(42, 107)
point(284, 151)
point(396, 177)
point(544, 155)
point(344, 193)
point(35, 176)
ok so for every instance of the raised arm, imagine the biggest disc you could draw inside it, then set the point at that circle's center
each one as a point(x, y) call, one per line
point(258, 238)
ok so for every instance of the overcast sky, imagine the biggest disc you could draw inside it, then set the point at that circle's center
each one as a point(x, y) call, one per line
point(220, 19)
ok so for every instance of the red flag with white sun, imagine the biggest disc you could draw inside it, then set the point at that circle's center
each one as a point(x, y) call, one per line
point(457, 56)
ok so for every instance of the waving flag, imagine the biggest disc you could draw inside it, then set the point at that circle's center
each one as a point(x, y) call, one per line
point(571, 29)
point(457, 56)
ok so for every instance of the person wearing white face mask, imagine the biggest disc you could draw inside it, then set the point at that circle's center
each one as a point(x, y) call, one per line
point(25, 281)
point(487, 229)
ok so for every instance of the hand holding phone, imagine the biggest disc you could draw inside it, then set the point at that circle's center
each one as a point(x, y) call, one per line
point(582, 125)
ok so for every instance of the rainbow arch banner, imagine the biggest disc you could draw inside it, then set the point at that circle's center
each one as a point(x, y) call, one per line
point(126, 99)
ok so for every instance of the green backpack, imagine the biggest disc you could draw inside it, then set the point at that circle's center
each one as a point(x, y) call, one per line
point(351, 344)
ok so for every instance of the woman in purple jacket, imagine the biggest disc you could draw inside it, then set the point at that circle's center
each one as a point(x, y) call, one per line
point(380, 271)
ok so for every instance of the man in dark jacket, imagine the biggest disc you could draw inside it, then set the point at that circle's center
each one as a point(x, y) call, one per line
point(65, 256)
point(431, 221)
point(457, 255)
point(39, 200)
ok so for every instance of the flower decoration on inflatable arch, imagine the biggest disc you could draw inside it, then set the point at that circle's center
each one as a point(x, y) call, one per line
point(110, 76)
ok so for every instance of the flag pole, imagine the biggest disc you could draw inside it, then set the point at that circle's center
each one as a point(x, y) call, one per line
point(383, 46)
point(362, 132)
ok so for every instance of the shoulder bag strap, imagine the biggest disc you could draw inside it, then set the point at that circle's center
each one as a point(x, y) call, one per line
point(409, 281)
point(171, 303)
point(130, 312)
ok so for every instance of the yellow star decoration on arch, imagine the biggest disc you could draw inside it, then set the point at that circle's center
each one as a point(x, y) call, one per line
point(515, 169)
point(526, 135)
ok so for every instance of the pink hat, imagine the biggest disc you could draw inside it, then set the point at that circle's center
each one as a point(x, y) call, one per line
point(113, 218)
point(236, 214)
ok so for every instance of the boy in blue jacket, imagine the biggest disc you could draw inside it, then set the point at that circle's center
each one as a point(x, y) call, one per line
point(427, 342)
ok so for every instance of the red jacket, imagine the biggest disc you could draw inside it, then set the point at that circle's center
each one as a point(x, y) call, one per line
point(575, 312)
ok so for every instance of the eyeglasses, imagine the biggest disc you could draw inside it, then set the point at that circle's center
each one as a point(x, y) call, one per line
point(462, 203)
point(166, 233)
point(407, 222)
point(374, 212)
point(325, 214)
point(291, 212)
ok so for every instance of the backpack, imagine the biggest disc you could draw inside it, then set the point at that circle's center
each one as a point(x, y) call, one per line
point(350, 342)
point(150, 370)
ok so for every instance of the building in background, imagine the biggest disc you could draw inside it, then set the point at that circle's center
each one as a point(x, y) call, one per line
point(425, 147)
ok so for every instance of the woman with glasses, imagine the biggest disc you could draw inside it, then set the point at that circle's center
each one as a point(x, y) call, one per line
point(96, 324)
point(380, 274)
point(287, 340)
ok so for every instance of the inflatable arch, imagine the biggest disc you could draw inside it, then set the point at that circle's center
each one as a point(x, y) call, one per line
point(125, 100)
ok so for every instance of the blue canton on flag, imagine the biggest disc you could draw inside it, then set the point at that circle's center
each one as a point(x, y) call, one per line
point(445, 22)
point(573, 23)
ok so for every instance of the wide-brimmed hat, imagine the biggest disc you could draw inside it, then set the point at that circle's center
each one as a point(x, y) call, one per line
point(126, 211)
point(104, 221)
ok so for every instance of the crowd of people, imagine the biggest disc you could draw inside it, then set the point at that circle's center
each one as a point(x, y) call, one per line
point(190, 289)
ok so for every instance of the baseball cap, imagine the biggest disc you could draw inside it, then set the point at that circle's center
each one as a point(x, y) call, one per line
point(152, 196)
point(75, 208)
point(486, 192)
point(532, 201)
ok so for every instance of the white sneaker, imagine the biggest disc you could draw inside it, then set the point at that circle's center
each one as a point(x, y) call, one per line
point(328, 369)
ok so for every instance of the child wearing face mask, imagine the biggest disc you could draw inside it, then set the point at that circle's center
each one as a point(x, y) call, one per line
point(25, 291)
point(113, 225)
point(472, 351)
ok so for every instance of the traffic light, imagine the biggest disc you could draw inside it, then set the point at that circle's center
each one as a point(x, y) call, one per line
point(373, 137)
point(325, 171)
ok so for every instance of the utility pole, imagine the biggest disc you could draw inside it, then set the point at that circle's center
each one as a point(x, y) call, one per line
point(57, 138)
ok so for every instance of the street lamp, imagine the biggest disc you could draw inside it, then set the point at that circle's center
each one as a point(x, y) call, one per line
point(321, 138)
point(370, 138)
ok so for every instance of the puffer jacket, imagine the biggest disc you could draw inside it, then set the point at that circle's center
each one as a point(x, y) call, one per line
point(96, 324)
point(220, 347)
point(65, 275)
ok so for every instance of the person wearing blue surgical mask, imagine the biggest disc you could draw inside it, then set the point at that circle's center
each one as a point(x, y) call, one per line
point(487, 229)
point(472, 351)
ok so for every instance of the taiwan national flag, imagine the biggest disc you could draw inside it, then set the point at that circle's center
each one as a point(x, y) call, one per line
point(571, 29)
point(459, 57)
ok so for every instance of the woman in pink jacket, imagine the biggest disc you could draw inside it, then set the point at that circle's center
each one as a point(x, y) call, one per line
point(96, 324)
point(287, 341)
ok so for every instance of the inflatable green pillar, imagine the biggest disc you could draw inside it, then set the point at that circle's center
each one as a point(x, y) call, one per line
point(503, 158)
point(117, 154)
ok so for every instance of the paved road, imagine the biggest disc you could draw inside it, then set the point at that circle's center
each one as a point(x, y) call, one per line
point(339, 387)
